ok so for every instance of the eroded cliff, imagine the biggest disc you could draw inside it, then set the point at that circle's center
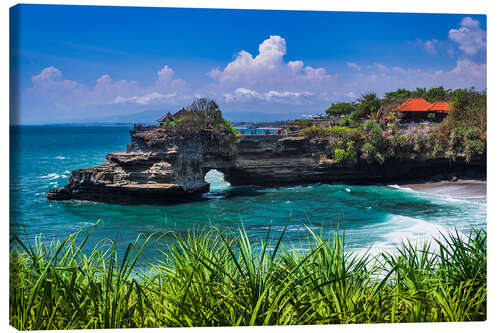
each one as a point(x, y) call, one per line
point(162, 166)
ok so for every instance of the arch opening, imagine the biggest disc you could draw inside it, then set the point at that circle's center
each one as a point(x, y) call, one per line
point(217, 182)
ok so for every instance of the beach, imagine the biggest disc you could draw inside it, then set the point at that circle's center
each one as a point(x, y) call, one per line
point(467, 189)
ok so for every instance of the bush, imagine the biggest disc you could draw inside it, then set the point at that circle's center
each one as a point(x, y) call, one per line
point(370, 154)
point(316, 132)
point(344, 152)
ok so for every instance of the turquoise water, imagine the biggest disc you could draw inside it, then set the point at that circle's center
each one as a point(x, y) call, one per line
point(256, 130)
point(379, 217)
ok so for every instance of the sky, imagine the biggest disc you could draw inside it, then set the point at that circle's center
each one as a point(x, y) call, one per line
point(70, 63)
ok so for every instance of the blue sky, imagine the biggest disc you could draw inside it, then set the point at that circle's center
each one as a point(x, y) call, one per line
point(76, 62)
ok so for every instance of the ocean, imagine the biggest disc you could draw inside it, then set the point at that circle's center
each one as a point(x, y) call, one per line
point(372, 217)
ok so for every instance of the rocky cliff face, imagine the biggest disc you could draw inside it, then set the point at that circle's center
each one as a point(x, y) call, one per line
point(162, 167)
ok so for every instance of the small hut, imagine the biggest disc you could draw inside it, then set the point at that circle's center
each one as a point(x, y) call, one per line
point(171, 117)
point(181, 114)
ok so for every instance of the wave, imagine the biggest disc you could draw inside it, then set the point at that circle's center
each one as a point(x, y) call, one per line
point(402, 188)
point(51, 176)
point(54, 176)
point(399, 229)
point(444, 196)
point(60, 157)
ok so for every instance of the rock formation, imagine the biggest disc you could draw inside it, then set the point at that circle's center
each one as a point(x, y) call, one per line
point(162, 167)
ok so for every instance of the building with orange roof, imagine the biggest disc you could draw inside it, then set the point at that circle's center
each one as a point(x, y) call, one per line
point(417, 109)
point(414, 105)
point(440, 107)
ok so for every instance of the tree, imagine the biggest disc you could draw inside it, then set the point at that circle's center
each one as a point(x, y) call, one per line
point(368, 103)
point(340, 108)
point(399, 95)
point(419, 93)
point(437, 94)
point(206, 109)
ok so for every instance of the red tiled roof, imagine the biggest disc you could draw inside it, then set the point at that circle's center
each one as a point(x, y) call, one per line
point(439, 106)
point(414, 104)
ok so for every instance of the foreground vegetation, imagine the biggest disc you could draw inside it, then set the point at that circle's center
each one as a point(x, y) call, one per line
point(213, 279)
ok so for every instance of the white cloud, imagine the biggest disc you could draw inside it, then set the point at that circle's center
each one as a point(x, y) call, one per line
point(47, 74)
point(381, 67)
point(152, 98)
point(268, 69)
point(469, 36)
point(430, 46)
point(464, 74)
point(50, 78)
point(51, 90)
point(106, 89)
point(165, 74)
point(282, 97)
point(354, 65)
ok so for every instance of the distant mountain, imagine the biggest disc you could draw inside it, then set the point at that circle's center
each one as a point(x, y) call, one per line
point(259, 116)
point(144, 117)
point(150, 116)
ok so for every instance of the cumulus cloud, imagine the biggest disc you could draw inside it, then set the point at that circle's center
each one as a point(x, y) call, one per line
point(47, 74)
point(268, 69)
point(273, 96)
point(165, 74)
point(381, 67)
point(464, 74)
point(430, 46)
point(50, 89)
point(353, 65)
point(469, 36)
point(106, 89)
point(151, 98)
point(50, 78)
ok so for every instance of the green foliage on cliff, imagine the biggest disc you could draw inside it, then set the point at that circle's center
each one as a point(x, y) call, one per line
point(344, 152)
point(203, 114)
point(316, 132)
point(378, 134)
point(215, 279)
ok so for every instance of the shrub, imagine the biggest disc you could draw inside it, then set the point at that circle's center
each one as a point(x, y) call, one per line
point(344, 152)
point(316, 132)
point(370, 154)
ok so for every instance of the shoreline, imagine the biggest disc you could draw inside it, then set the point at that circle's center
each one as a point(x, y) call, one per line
point(460, 188)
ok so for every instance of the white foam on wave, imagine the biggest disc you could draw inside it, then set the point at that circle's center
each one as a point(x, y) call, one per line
point(60, 157)
point(347, 189)
point(402, 188)
point(399, 229)
point(51, 176)
point(443, 195)
point(54, 176)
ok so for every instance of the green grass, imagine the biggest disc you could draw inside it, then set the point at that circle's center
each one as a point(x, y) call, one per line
point(212, 279)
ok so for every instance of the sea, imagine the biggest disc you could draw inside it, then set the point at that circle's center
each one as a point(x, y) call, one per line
point(372, 218)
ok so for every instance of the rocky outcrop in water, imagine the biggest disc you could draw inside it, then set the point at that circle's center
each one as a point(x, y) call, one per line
point(161, 166)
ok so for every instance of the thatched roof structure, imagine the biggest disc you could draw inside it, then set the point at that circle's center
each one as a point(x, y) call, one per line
point(176, 116)
point(167, 117)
